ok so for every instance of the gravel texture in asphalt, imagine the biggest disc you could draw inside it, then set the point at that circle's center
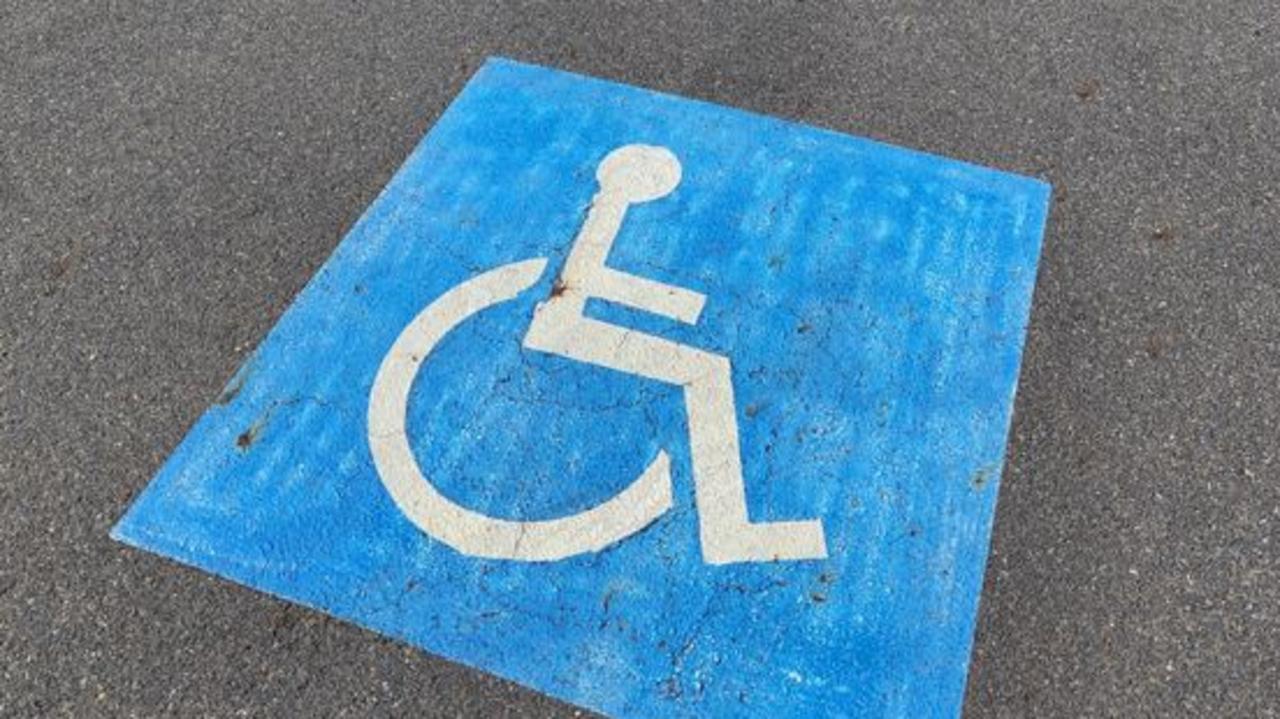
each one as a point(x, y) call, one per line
point(171, 174)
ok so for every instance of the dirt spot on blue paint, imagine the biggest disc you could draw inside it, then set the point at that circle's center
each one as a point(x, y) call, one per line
point(246, 438)
point(605, 602)
point(818, 594)
point(982, 478)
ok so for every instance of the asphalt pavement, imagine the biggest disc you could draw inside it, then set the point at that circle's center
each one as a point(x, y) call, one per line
point(171, 174)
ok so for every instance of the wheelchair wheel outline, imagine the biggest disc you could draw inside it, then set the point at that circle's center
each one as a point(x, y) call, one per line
point(469, 532)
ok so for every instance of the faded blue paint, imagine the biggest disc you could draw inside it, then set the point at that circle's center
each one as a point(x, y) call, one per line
point(873, 301)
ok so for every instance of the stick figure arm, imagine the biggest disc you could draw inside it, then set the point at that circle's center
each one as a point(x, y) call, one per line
point(659, 298)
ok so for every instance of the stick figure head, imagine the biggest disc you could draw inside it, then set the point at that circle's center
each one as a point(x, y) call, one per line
point(639, 173)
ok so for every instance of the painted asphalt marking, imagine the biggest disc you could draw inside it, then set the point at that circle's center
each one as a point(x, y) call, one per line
point(658, 407)
point(628, 175)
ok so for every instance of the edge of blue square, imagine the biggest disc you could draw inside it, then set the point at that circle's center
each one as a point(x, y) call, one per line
point(887, 289)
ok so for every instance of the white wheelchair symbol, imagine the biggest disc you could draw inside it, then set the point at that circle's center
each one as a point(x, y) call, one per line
point(629, 175)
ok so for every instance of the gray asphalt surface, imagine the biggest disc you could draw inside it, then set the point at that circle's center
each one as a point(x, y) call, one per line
point(172, 173)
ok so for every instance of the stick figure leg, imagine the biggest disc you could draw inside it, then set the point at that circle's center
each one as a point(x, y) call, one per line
point(726, 532)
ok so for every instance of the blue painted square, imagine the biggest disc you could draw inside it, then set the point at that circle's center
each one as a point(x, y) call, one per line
point(872, 303)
